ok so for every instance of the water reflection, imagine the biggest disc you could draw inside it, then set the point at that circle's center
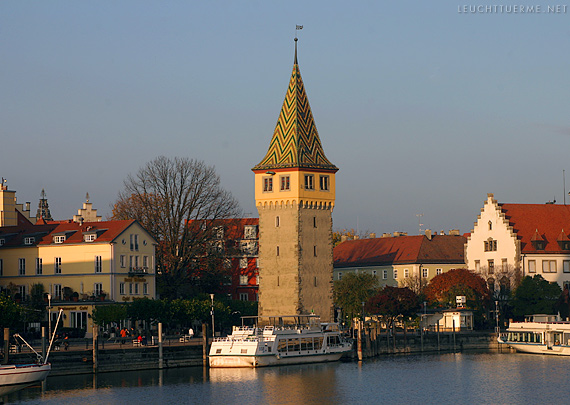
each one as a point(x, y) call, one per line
point(448, 378)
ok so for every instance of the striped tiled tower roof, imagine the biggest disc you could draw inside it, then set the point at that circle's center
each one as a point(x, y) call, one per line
point(295, 142)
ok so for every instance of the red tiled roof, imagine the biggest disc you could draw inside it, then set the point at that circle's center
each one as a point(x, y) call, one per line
point(400, 250)
point(538, 222)
point(106, 231)
point(233, 227)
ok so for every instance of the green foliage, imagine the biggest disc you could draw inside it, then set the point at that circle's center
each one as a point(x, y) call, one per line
point(107, 314)
point(10, 312)
point(145, 309)
point(535, 295)
point(392, 302)
point(352, 290)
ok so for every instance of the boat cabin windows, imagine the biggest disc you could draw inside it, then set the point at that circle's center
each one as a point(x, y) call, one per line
point(333, 341)
point(300, 344)
point(525, 337)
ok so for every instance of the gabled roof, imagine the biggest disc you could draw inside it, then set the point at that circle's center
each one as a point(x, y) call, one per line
point(538, 222)
point(295, 142)
point(419, 249)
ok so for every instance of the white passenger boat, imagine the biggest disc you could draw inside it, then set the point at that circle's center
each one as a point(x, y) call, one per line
point(539, 334)
point(279, 340)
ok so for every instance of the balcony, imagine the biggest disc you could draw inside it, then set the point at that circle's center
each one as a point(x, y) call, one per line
point(138, 271)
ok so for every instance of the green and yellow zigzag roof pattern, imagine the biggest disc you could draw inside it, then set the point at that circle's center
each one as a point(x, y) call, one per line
point(295, 142)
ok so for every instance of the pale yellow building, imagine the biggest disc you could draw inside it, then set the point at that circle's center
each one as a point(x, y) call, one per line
point(79, 264)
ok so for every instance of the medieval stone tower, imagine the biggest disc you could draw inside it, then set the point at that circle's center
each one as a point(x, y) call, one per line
point(295, 195)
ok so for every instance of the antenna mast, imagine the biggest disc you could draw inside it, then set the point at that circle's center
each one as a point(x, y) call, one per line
point(420, 223)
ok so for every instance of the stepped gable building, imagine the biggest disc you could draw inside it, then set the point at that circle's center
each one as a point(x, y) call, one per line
point(513, 240)
point(410, 261)
point(295, 195)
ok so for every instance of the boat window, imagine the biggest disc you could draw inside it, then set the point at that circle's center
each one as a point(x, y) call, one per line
point(244, 351)
point(293, 345)
point(282, 345)
point(307, 344)
point(218, 351)
point(318, 343)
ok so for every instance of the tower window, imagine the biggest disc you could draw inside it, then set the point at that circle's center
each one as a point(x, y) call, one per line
point(314, 222)
point(314, 251)
point(267, 184)
point(309, 182)
point(277, 221)
point(277, 252)
point(285, 183)
point(324, 180)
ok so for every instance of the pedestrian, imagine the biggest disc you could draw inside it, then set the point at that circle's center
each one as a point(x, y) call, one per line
point(190, 333)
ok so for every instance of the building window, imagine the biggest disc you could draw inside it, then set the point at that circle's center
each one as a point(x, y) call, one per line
point(250, 232)
point(243, 280)
point(2, 241)
point(477, 265)
point(315, 251)
point(324, 180)
point(136, 288)
point(314, 222)
point(134, 242)
point(123, 261)
point(98, 264)
point(145, 288)
point(130, 288)
point(504, 265)
point(277, 251)
point(59, 239)
point(532, 266)
point(384, 274)
point(90, 237)
point(549, 266)
point(267, 184)
point(438, 272)
point(406, 273)
point(566, 266)
point(309, 182)
point(57, 291)
point(491, 264)
point(276, 221)
point(490, 225)
point(97, 289)
point(57, 265)
point(395, 274)
point(21, 266)
point(339, 275)
point(145, 262)
point(243, 297)
point(490, 245)
point(122, 288)
point(243, 263)
point(285, 183)
point(39, 266)
point(1, 267)
point(29, 240)
point(424, 273)
point(374, 273)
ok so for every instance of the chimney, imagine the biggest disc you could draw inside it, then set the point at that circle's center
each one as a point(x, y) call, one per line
point(343, 238)
point(428, 234)
point(454, 232)
point(372, 235)
point(27, 206)
point(386, 235)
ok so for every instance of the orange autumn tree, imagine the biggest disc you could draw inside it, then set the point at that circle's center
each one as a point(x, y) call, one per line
point(442, 289)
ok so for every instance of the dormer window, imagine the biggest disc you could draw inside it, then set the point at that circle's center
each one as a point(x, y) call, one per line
point(539, 244)
point(90, 237)
point(29, 240)
point(59, 239)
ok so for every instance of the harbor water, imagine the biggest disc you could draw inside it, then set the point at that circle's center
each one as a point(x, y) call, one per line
point(483, 378)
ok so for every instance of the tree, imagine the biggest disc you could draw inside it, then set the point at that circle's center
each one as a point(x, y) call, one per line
point(352, 290)
point(147, 310)
point(164, 195)
point(535, 295)
point(10, 312)
point(107, 314)
point(392, 302)
point(443, 288)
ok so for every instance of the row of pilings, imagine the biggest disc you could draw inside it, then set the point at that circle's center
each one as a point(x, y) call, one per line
point(372, 338)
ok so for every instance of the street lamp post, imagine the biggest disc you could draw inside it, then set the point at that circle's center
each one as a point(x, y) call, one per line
point(497, 330)
point(49, 315)
point(212, 313)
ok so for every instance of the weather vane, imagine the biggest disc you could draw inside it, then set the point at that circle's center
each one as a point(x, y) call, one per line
point(297, 28)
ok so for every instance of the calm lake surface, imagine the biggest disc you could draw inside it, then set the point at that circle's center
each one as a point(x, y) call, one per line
point(496, 378)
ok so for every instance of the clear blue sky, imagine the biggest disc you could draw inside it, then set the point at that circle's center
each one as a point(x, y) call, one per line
point(425, 109)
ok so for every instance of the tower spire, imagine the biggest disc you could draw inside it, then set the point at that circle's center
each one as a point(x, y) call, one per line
point(295, 62)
